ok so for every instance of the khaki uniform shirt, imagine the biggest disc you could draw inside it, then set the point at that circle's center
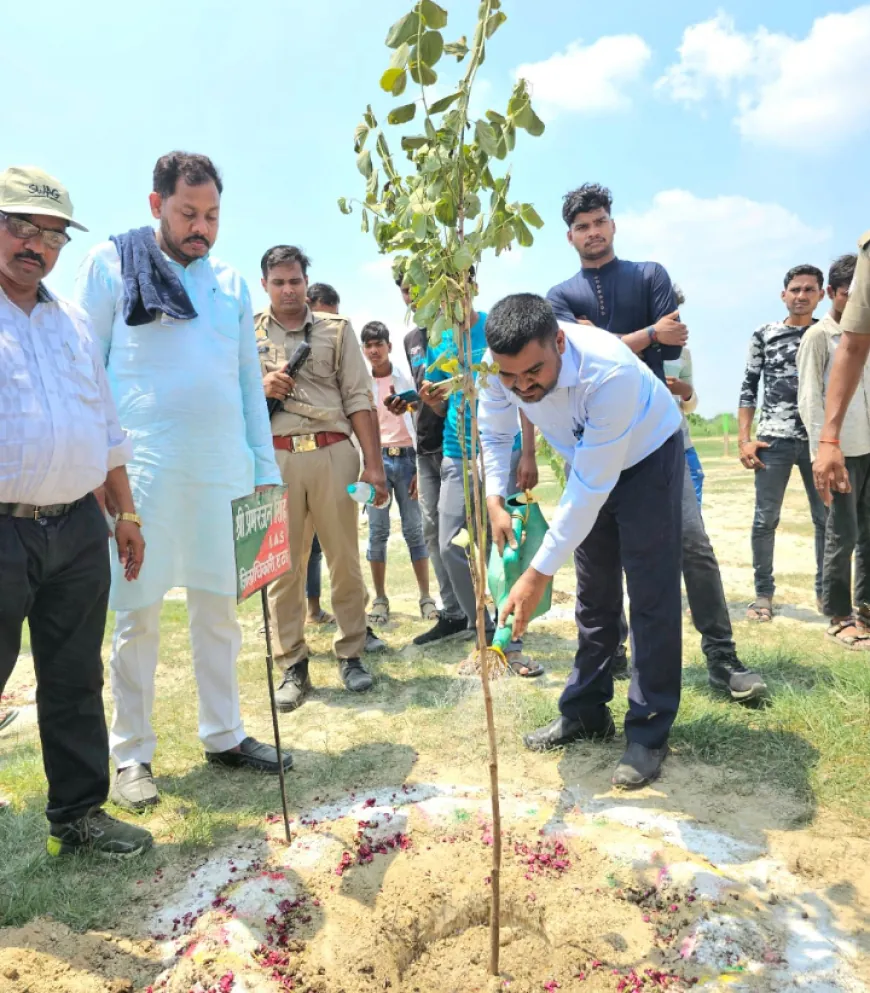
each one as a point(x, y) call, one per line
point(856, 316)
point(332, 384)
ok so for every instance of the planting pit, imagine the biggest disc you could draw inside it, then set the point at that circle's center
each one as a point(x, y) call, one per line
point(390, 891)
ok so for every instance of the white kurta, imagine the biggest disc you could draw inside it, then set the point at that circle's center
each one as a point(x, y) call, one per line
point(190, 396)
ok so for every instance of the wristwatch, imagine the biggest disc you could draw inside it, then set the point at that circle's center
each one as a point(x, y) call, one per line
point(132, 518)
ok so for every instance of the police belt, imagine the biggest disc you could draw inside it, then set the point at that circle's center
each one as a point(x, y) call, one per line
point(307, 442)
point(395, 451)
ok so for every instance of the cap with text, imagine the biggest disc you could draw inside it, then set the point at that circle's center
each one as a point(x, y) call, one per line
point(29, 190)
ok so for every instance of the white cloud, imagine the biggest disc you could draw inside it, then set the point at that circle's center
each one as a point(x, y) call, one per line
point(587, 79)
point(729, 254)
point(797, 94)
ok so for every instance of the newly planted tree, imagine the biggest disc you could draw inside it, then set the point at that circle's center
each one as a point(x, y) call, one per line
point(438, 217)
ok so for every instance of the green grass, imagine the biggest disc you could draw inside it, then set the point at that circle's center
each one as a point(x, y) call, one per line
point(422, 721)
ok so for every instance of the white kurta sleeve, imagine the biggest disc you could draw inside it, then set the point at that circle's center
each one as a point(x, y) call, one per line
point(257, 430)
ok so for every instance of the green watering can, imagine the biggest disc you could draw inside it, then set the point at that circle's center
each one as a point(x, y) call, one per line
point(504, 570)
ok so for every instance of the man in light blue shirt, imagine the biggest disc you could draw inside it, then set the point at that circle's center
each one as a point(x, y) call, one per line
point(616, 425)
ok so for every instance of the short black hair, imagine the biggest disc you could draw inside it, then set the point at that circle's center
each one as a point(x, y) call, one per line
point(284, 255)
point(374, 331)
point(842, 271)
point(195, 170)
point(517, 320)
point(804, 270)
point(323, 293)
point(589, 196)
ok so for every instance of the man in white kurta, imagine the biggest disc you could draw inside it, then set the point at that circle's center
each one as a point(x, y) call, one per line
point(190, 396)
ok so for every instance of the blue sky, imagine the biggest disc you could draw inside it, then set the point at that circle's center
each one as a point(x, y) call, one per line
point(735, 136)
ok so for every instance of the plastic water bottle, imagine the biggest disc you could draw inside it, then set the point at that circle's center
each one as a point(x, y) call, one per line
point(364, 493)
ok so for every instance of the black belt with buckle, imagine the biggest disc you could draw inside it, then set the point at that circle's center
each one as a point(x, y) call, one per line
point(34, 513)
point(396, 452)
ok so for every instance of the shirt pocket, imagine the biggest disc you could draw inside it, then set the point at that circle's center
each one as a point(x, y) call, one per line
point(78, 374)
point(225, 317)
point(323, 359)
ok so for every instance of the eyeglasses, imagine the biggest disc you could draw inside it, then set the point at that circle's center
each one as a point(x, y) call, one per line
point(21, 228)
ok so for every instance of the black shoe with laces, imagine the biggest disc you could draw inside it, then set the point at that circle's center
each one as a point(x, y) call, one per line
point(732, 677)
point(619, 665)
point(98, 833)
point(354, 675)
point(373, 642)
point(444, 629)
point(294, 687)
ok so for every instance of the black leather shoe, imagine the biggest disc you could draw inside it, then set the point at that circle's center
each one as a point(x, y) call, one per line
point(564, 730)
point(639, 765)
point(294, 687)
point(354, 676)
point(133, 788)
point(252, 754)
point(732, 677)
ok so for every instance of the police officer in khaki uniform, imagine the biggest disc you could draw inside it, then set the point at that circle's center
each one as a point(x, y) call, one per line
point(329, 399)
point(847, 369)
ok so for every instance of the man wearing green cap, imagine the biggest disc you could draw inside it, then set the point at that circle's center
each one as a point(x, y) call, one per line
point(60, 441)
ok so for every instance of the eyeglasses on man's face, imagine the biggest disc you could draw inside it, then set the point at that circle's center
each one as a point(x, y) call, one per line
point(20, 227)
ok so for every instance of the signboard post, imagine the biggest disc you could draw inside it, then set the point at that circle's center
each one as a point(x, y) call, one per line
point(262, 549)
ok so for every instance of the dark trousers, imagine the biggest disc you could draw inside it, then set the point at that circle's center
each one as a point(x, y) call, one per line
point(638, 530)
point(770, 483)
point(54, 573)
point(315, 568)
point(848, 530)
point(703, 580)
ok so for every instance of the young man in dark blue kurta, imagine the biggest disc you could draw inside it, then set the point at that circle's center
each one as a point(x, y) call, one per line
point(636, 301)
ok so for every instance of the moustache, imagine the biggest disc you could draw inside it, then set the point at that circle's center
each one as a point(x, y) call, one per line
point(197, 240)
point(32, 256)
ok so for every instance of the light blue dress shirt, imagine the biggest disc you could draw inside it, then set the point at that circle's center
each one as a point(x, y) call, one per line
point(190, 396)
point(607, 413)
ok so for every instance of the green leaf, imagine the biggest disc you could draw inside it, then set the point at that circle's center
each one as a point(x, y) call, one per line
point(372, 184)
point(418, 203)
point(399, 58)
point(369, 118)
point(420, 226)
point(433, 15)
point(462, 259)
point(360, 134)
point(524, 236)
point(343, 206)
point(445, 211)
point(494, 22)
point(410, 142)
point(472, 205)
point(457, 48)
point(485, 136)
point(403, 114)
point(444, 103)
point(403, 30)
point(528, 120)
point(530, 215)
point(494, 118)
point(510, 136)
point(388, 80)
point(431, 47)
point(364, 223)
point(398, 87)
point(364, 163)
point(421, 73)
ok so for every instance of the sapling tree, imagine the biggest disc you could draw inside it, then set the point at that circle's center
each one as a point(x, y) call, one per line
point(438, 216)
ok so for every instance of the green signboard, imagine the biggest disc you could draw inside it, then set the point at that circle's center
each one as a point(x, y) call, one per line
point(261, 539)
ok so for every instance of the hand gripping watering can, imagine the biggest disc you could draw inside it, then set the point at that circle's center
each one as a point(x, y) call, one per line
point(504, 570)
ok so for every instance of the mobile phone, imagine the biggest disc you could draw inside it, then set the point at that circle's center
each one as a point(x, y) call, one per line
point(409, 396)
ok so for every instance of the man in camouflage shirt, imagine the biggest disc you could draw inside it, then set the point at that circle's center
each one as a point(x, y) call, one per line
point(781, 441)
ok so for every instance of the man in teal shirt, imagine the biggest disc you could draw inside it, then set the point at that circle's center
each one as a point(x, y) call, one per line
point(451, 505)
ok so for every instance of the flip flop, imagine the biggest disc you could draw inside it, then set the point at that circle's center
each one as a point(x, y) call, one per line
point(521, 665)
point(854, 642)
point(324, 617)
point(760, 610)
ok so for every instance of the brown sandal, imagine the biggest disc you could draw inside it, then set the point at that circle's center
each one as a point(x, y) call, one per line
point(857, 642)
point(760, 610)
